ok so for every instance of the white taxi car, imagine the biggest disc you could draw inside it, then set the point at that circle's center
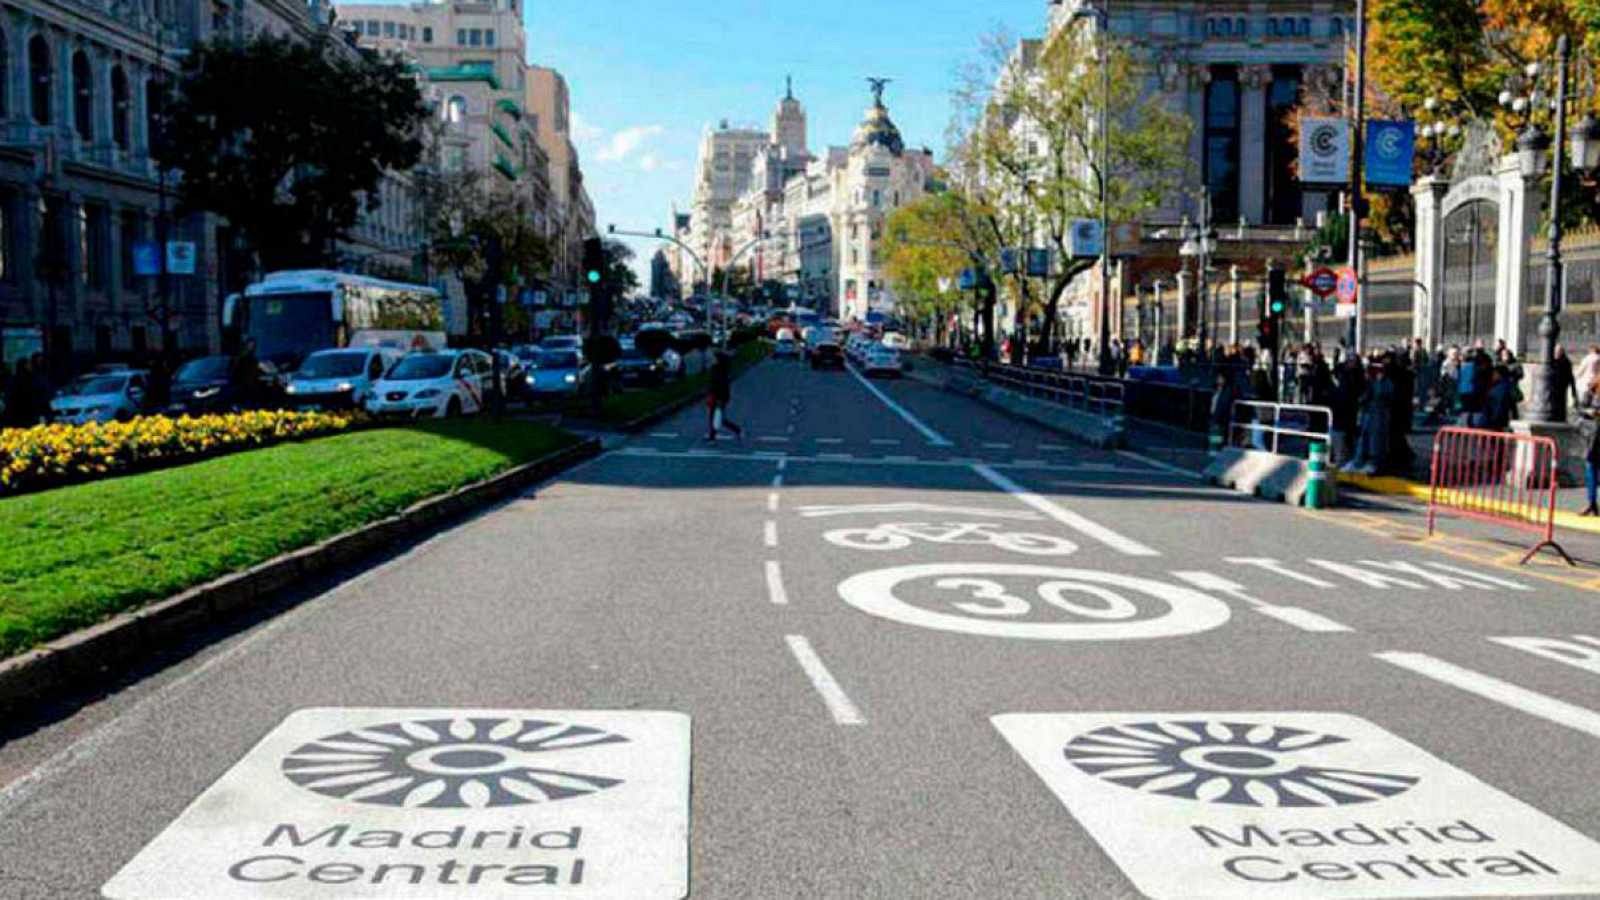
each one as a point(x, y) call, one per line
point(444, 384)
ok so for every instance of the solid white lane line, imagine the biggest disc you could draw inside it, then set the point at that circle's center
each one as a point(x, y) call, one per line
point(1503, 692)
point(830, 440)
point(772, 502)
point(900, 459)
point(996, 445)
point(1028, 463)
point(1158, 464)
point(664, 434)
point(1065, 516)
point(836, 456)
point(775, 591)
point(772, 439)
point(886, 442)
point(1054, 448)
point(934, 438)
point(769, 533)
point(843, 711)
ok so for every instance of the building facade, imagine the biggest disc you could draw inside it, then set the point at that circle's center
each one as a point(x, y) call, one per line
point(571, 211)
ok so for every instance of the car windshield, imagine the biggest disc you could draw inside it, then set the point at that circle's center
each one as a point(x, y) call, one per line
point(632, 353)
point(421, 367)
point(555, 361)
point(207, 368)
point(96, 384)
point(332, 365)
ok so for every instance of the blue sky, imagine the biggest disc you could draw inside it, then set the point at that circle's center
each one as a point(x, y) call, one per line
point(647, 77)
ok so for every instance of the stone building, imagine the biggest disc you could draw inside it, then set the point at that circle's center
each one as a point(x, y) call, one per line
point(571, 210)
point(723, 173)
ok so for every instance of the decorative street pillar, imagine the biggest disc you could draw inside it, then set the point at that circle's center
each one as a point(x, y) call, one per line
point(1183, 307)
point(1234, 288)
point(1427, 308)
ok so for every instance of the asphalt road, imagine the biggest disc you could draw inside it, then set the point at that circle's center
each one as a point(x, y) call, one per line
point(1229, 698)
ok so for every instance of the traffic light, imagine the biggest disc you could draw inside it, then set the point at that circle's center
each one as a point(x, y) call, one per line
point(1277, 291)
point(594, 260)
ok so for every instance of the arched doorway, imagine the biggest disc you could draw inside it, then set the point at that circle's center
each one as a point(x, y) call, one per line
point(1471, 265)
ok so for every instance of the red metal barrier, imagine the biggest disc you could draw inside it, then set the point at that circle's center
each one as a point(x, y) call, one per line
point(1504, 479)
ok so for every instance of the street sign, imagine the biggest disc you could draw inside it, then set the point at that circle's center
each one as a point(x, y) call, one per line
point(1038, 262)
point(1086, 239)
point(398, 802)
point(146, 258)
point(180, 257)
point(1324, 150)
point(1349, 292)
point(1322, 282)
point(1391, 147)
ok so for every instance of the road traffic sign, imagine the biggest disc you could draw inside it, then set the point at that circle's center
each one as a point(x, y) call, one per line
point(1348, 287)
point(1322, 282)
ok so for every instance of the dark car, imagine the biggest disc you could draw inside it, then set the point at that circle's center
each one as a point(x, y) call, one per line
point(827, 356)
point(204, 385)
point(634, 367)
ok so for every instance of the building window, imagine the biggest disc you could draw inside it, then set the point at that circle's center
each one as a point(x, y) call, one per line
point(7, 201)
point(1272, 27)
point(154, 103)
point(456, 109)
point(5, 74)
point(94, 242)
point(1225, 27)
point(427, 34)
point(461, 36)
point(129, 232)
point(1305, 27)
point(41, 79)
point(1336, 27)
point(82, 96)
point(488, 37)
point(388, 29)
point(1241, 27)
point(1222, 142)
point(475, 37)
point(1283, 197)
point(119, 107)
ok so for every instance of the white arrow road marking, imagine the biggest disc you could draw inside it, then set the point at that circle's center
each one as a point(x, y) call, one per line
point(1065, 516)
point(833, 696)
point(1504, 692)
point(935, 439)
point(1303, 619)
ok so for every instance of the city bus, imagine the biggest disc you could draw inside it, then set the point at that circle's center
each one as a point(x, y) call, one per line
point(291, 314)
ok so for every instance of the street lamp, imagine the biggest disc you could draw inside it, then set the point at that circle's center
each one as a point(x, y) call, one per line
point(1102, 16)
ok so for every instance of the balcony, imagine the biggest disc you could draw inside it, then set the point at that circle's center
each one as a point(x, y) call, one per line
point(504, 167)
point(504, 135)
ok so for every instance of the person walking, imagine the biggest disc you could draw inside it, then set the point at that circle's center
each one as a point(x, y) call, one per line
point(1562, 376)
point(719, 396)
point(19, 397)
point(1588, 370)
point(1589, 426)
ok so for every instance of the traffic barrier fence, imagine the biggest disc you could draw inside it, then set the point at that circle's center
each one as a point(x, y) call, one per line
point(1499, 478)
point(1289, 429)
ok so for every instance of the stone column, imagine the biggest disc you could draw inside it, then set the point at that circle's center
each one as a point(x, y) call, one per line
point(1233, 304)
point(1160, 315)
point(1253, 141)
point(1427, 309)
point(1183, 306)
point(1517, 219)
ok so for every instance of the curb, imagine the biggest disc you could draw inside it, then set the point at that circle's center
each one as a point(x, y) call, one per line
point(77, 660)
point(1401, 487)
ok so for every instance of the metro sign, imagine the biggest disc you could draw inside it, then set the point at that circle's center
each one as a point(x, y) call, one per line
point(1322, 282)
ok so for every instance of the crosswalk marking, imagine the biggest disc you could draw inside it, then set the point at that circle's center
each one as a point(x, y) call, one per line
point(1504, 692)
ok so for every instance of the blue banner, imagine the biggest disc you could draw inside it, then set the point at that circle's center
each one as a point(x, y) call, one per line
point(1391, 146)
point(146, 258)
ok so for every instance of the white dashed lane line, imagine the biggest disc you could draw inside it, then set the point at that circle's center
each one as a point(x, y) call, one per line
point(839, 706)
point(1303, 619)
point(769, 533)
point(775, 589)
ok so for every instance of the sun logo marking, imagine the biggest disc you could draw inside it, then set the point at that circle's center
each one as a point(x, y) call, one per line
point(448, 763)
point(1236, 763)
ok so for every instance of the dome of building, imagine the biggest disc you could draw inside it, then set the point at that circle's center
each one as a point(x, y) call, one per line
point(877, 128)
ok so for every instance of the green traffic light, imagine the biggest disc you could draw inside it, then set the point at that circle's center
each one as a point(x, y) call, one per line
point(1277, 308)
point(594, 277)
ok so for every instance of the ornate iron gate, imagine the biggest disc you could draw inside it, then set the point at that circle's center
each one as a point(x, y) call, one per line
point(1471, 263)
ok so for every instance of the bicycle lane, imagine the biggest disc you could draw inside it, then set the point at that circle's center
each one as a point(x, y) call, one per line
point(927, 632)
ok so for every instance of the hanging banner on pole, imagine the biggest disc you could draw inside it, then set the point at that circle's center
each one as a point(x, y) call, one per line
point(1391, 147)
point(1086, 239)
point(1324, 150)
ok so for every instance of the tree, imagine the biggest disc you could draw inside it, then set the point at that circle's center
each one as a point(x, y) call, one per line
point(287, 139)
point(1030, 147)
point(918, 254)
point(619, 268)
point(464, 217)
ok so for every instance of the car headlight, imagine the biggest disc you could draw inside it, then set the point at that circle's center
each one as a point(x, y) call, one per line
point(571, 379)
point(426, 394)
point(343, 387)
point(205, 392)
point(532, 381)
point(292, 388)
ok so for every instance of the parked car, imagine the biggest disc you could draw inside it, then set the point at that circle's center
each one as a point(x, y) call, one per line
point(563, 342)
point(338, 379)
point(880, 359)
point(442, 384)
point(633, 368)
point(896, 341)
point(114, 397)
point(786, 345)
point(827, 356)
point(205, 385)
point(556, 373)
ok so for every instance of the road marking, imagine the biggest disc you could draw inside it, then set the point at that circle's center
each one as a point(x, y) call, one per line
point(833, 696)
point(1502, 692)
point(1582, 651)
point(1065, 516)
point(769, 533)
point(1242, 805)
point(775, 590)
point(664, 434)
point(996, 445)
point(641, 451)
point(961, 462)
point(935, 439)
point(777, 480)
point(772, 439)
point(1055, 448)
point(1077, 604)
point(836, 456)
point(581, 803)
point(830, 441)
point(901, 459)
point(965, 460)
point(1028, 463)
point(818, 512)
point(1303, 619)
point(1158, 464)
point(885, 442)
point(783, 464)
point(704, 451)
point(772, 502)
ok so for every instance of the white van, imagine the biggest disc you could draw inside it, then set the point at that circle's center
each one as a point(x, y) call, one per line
point(339, 379)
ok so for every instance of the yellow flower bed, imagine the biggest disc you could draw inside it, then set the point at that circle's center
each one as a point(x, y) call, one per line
point(38, 456)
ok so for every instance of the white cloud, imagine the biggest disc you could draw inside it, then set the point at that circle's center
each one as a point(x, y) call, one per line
point(583, 131)
point(626, 141)
point(649, 162)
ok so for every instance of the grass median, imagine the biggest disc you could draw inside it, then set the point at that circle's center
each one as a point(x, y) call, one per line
point(77, 555)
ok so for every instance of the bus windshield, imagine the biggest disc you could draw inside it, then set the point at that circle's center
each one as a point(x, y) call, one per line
point(285, 326)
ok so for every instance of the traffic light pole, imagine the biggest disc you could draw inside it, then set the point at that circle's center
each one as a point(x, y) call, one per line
point(1358, 140)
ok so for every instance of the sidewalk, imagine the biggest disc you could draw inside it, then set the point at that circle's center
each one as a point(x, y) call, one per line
point(1568, 500)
